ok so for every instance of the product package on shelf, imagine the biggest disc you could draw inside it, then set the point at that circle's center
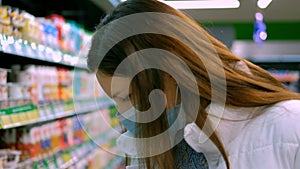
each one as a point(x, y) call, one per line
point(3, 87)
point(9, 158)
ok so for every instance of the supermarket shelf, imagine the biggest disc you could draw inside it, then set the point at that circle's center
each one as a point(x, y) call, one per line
point(23, 48)
point(83, 109)
point(80, 152)
point(14, 125)
point(95, 149)
point(75, 155)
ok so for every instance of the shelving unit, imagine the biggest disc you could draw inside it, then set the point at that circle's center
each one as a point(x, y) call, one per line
point(84, 108)
point(280, 57)
point(30, 115)
point(81, 156)
point(23, 48)
point(49, 104)
point(287, 71)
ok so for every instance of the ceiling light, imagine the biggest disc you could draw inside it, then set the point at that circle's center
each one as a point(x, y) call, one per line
point(263, 3)
point(203, 4)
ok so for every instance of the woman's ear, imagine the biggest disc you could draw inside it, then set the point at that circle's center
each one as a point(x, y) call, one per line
point(105, 82)
point(242, 66)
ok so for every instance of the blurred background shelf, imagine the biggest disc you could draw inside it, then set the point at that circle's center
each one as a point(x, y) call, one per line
point(77, 109)
point(23, 48)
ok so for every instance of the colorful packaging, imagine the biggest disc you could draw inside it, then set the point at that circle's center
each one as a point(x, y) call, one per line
point(48, 32)
point(12, 159)
point(3, 76)
point(15, 91)
point(35, 137)
point(28, 29)
point(64, 84)
point(3, 94)
point(59, 23)
point(4, 15)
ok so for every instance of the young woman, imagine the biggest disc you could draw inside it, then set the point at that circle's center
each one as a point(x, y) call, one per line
point(219, 110)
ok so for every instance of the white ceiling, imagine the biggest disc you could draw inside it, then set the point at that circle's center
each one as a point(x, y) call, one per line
point(278, 10)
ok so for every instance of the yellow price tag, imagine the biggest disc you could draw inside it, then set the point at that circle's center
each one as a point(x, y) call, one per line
point(5, 120)
point(36, 114)
point(23, 117)
point(66, 157)
point(15, 118)
point(30, 115)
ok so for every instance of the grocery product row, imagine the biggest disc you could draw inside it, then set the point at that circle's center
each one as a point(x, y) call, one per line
point(30, 114)
point(31, 94)
point(45, 84)
point(285, 75)
point(53, 31)
point(50, 38)
point(75, 142)
point(289, 78)
point(24, 48)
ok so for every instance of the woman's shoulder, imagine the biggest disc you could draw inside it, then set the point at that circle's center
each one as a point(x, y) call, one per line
point(283, 120)
point(276, 127)
point(292, 106)
point(276, 111)
point(285, 110)
point(271, 140)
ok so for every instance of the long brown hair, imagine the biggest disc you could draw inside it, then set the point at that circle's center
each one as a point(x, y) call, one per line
point(242, 89)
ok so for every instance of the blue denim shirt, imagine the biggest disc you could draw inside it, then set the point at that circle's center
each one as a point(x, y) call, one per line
point(185, 158)
point(188, 158)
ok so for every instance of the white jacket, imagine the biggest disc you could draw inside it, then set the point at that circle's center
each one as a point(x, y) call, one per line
point(267, 141)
